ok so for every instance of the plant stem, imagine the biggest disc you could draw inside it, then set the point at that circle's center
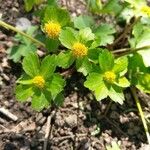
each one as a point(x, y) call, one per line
point(127, 51)
point(7, 26)
point(126, 30)
point(108, 107)
point(133, 90)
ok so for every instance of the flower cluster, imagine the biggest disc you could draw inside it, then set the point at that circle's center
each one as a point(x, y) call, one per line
point(39, 81)
point(145, 10)
point(52, 29)
point(109, 76)
point(79, 49)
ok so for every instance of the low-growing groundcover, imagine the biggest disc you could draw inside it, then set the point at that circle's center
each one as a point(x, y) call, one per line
point(89, 47)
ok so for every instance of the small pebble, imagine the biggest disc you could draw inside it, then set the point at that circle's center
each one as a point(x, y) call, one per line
point(71, 120)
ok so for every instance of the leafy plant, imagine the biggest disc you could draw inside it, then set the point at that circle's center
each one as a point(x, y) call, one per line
point(88, 45)
point(53, 21)
point(110, 79)
point(40, 82)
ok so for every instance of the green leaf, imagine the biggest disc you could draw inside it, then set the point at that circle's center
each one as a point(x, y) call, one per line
point(136, 64)
point(25, 82)
point(30, 31)
point(38, 1)
point(146, 55)
point(31, 64)
point(86, 35)
point(95, 5)
point(23, 92)
point(83, 65)
point(106, 61)
point(105, 33)
point(27, 49)
point(39, 102)
point(51, 44)
point(28, 4)
point(95, 83)
point(67, 59)
point(93, 54)
point(136, 3)
point(57, 15)
point(16, 52)
point(56, 85)
point(48, 66)
point(121, 65)
point(59, 99)
point(67, 37)
point(95, 43)
point(82, 22)
point(113, 6)
point(25, 46)
point(142, 40)
point(143, 84)
point(24, 79)
point(52, 2)
point(116, 94)
point(137, 31)
point(101, 92)
point(123, 82)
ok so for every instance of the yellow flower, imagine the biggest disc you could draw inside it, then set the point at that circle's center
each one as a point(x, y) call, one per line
point(145, 10)
point(109, 76)
point(79, 49)
point(39, 81)
point(52, 29)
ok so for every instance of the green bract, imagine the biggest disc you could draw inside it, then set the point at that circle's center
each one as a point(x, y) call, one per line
point(110, 79)
point(40, 83)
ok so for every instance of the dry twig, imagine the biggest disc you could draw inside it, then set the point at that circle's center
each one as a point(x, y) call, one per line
point(48, 129)
point(8, 114)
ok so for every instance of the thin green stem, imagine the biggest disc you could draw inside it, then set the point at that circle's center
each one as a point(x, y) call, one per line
point(133, 90)
point(7, 26)
point(127, 51)
point(131, 50)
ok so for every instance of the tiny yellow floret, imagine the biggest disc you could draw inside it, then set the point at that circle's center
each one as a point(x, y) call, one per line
point(145, 10)
point(39, 81)
point(109, 77)
point(79, 49)
point(52, 29)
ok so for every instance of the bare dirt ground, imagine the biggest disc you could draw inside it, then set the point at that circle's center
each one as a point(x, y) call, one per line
point(81, 123)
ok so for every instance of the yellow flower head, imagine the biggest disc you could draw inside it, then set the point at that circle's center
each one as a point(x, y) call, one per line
point(109, 76)
point(39, 81)
point(145, 10)
point(52, 29)
point(79, 49)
